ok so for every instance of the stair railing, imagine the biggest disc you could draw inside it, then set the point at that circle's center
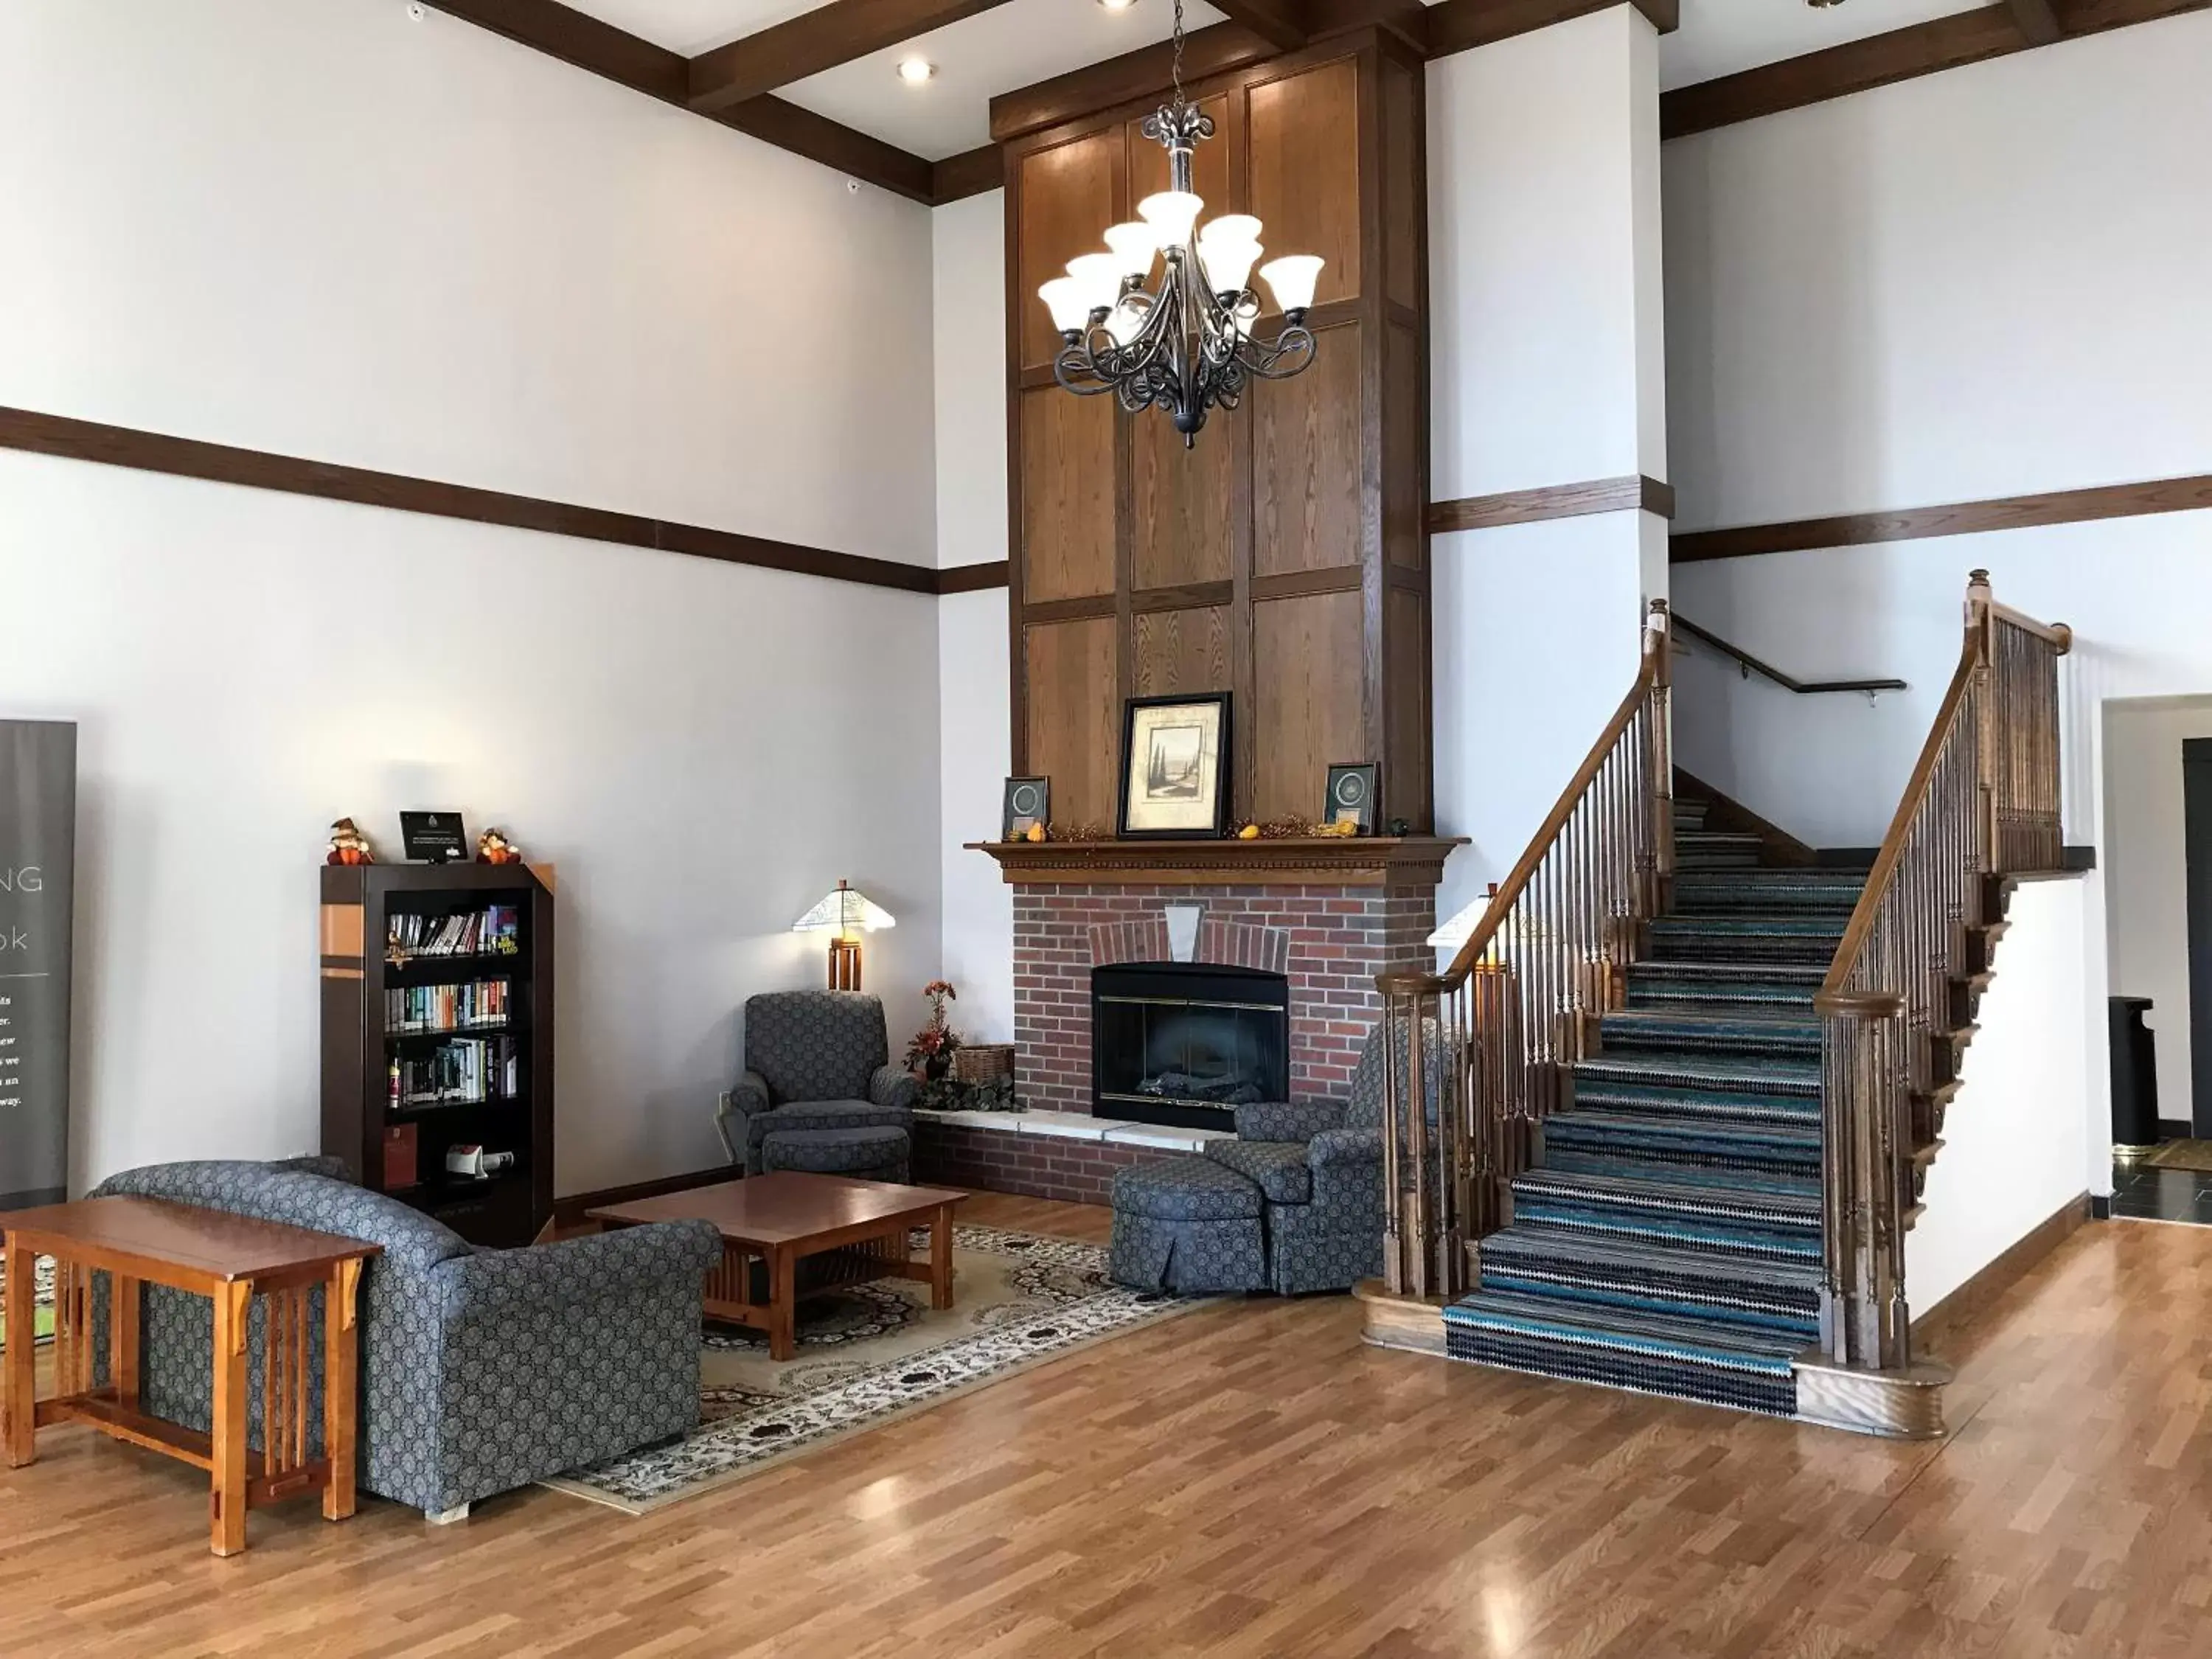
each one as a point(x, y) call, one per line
point(1519, 1006)
point(1982, 803)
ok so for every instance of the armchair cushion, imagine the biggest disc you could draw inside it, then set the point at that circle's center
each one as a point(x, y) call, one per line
point(1277, 1168)
point(894, 1086)
point(1349, 1146)
point(1286, 1120)
point(815, 1045)
point(1365, 1110)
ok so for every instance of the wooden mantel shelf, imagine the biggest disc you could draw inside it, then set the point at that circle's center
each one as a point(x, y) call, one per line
point(1319, 861)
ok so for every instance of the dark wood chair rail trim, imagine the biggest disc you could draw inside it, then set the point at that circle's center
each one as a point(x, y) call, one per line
point(73, 440)
point(1571, 501)
point(1752, 665)
point(1957, 518)
point(972, 578)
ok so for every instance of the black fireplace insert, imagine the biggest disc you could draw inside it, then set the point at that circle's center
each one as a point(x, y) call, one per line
point(1183, 1043)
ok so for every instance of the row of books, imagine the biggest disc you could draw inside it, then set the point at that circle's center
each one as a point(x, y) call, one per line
point(411, 1008)
point(466, 1072)
point(496, 930)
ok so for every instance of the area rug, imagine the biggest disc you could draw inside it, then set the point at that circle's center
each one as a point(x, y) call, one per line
point(42, 1280)
point(870, 1353)
point(2181, 1155)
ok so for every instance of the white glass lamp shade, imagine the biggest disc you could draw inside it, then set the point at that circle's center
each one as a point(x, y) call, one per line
point(1292, 279)
point(1071, 310)
point(844, 911)
point(1228, 264)
point(1099, 275)
point(1171, 214)
point(1133, 245)
point(1229, 227)
point(1127, 320)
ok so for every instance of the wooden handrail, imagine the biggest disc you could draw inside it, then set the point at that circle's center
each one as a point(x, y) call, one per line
point(1507, 892)
point(2056, 634)
point(1752, 664)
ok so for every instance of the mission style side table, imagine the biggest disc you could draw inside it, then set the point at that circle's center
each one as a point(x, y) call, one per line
point(229, 1259)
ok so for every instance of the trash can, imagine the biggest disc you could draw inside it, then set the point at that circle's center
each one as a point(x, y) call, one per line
point(2134, 1076)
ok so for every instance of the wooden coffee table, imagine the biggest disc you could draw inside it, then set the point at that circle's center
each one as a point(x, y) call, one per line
point(852, 1230)
point(229, 1259)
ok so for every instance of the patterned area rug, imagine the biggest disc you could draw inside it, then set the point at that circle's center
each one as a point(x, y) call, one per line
point(868, 1353)
point(43, 1279)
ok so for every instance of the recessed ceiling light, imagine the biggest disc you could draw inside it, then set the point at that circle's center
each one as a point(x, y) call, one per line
point(1117, 5)
point(914, 70)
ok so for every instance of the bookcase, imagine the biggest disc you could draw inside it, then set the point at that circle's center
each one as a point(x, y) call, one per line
point(438, 1032)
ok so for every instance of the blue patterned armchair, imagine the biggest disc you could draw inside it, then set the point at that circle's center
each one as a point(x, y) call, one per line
point(815, 1061)
point(480, 1369)
point(1318, 1165)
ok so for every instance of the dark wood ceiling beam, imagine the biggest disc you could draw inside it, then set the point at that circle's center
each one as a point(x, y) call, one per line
point(1281, 22)
point(586, 43)
point(811, 42)
point(1462, 25)
point(2037, 22)
point(969, 173)
point(1214, 50)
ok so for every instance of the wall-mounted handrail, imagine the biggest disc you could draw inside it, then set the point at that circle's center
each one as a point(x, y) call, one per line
point(1982, 802)
point(1751, 664)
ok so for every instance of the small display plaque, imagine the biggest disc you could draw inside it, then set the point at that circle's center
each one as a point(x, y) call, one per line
point(434, 837)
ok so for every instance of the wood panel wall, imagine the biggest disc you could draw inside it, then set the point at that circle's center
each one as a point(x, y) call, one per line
point(1284, 559)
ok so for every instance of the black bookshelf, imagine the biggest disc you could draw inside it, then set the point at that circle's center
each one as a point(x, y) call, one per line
point(438, 1031)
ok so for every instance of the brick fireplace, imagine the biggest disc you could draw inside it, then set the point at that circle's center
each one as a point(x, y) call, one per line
point(1327, 915)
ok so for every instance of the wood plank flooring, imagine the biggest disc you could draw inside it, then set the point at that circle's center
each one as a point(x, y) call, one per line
point(1251, 1481)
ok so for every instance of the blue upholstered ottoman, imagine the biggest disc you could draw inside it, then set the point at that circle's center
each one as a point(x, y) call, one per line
point(1185, 1225)
point(879, 1153)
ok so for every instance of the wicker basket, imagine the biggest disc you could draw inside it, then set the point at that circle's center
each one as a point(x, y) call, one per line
point(983, 1062)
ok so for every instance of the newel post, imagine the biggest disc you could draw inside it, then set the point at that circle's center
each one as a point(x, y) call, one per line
point(1866, 1178)
point(1981, 637)
point(1423, 1247)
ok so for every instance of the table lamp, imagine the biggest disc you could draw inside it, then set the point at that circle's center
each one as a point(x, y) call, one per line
point(845, 915)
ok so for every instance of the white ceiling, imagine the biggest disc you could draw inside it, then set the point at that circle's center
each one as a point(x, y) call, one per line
point(1024, 41)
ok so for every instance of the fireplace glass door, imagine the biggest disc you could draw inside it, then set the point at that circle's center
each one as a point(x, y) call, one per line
point(1183, 1043)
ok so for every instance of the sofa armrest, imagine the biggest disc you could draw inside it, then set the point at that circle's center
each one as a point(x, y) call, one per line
point(631, 1264)
point(893, 1087)
point(1344, 1146)
point(748, 1099)
point(1286, 1120)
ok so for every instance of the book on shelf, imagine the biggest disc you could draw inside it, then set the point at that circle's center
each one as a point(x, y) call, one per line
point(466, 1072)
point(495, 930)
point(410, 1010)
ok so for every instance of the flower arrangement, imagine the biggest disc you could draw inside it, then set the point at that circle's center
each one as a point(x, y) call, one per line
point(930, 1052)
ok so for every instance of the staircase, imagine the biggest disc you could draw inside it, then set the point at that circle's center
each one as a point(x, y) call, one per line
point(1668, 1237)
point(1697, 1082)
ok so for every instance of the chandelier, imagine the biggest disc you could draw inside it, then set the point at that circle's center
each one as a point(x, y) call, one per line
point(1187, 346)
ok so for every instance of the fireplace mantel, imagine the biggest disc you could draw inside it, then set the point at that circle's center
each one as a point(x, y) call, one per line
point(1296, 861)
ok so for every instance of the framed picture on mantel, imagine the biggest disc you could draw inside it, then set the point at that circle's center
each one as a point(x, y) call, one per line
point(1175, 768)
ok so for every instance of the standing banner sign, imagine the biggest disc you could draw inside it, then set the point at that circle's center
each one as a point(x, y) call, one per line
point(38, 848)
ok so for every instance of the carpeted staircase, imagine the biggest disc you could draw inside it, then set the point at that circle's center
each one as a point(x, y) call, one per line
point(1668, 1237)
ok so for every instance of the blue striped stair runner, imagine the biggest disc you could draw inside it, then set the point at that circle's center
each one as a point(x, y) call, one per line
point(1668, 1239)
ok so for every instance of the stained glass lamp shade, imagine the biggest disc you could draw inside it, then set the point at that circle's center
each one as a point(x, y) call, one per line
point(844, 913)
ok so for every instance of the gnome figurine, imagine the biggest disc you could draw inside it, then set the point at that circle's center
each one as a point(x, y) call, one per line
point(493, 847)
point(349, 845)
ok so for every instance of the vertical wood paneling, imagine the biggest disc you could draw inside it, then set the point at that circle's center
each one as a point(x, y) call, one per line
point(1311, 705)
point(1407, 788)
point(1183, 651)
point(1405, 494)
point(1074, 728)
point(1404, 201)
point(1305, 170)
point(1182, 503)
point(1066, 199)
point(1067, 496)
point(1307, 462)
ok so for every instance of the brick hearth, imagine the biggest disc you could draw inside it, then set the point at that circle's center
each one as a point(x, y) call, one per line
point(1329, 941)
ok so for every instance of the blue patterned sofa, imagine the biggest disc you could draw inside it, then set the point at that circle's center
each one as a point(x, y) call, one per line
point(480, 1369)
point(817, 1065)
point(1314, 1173)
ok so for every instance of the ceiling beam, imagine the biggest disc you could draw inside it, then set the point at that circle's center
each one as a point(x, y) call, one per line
point(2037, 22)
point(1462, 25)
point(969, 173)
point(1283, 22)
point(586, 43)
point(811, 42)
point(1214, 50)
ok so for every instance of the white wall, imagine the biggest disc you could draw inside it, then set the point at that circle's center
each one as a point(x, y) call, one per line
point(1546, 369)
point(976, 745)
point(332, 232)
point(2026, 1122)
point(1985, 283)
point(2146, 875)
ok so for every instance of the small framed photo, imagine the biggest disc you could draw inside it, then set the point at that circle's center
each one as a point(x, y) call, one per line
point(1175, 767)
point(434, 837)
point(1029, 802)
point(1353, 792)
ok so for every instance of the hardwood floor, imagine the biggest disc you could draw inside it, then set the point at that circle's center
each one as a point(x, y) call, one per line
point(1250, 1480)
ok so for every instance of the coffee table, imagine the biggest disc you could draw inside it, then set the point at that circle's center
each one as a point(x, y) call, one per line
point(852, 1230)
point(229, 1259)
